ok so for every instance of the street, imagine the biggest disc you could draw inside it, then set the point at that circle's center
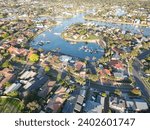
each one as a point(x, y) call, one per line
point(136, 74)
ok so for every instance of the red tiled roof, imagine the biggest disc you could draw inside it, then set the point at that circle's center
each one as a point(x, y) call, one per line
point(116, 64)
point(117, 50)
point(17, 51)
point(105, 72)
point(79, 65)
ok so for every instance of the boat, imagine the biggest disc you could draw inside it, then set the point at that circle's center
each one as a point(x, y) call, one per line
point(57, 34)
point(43, 35)
point(48, 42)
point(90, 50)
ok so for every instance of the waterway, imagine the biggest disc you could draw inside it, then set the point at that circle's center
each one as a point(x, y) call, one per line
point(57, 43)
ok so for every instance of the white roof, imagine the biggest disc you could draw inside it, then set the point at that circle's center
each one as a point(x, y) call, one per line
point(27, 85)
point(65, 58)
point(140, 104)
point(13, 87)
point(130, 104)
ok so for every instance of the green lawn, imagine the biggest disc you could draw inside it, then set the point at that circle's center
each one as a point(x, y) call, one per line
point(10, 105)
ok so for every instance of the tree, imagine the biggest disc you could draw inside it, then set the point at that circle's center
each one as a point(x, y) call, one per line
point(72, 88)
point(6, 84)
point(32, 106)
point(59, 77)
point(136, 92)
point(34, 58)
point(6, 64)
point(47, 69)
point(104, 94)
point(93, 77)
point(13, 94)
point(66, 96)
point(117, 92)
point(80, 80)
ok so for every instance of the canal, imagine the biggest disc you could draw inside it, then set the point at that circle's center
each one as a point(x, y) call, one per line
point(57, 43)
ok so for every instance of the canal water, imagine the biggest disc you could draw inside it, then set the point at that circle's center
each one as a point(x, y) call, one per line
point(57, 43)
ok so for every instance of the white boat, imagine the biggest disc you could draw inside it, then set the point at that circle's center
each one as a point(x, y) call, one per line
point(57, 34)
point(43, 35)
point(48, 42)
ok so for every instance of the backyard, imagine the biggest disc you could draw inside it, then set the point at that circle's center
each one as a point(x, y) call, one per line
point(10, 105)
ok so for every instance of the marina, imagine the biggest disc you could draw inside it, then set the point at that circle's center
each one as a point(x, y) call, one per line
point(51, 40)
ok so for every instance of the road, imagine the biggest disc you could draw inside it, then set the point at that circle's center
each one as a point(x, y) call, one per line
point(136, 73)
point(109, 88)
point(143, 55)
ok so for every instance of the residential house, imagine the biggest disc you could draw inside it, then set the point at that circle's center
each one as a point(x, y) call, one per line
point(104, 72)
point(77, 108)
point(116, 64)
point(117, 50)
point(65, 58)
point(16, 51)
point(13, 87)
point(120, 76)
point(94, 106)
point(45, 90)
point(141, 105)
point(117, 104)
point(6, 76)
point(116, 56)
point(55, 103)
point(79, 65)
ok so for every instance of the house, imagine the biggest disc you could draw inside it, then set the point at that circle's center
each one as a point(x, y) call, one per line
point(38, 83)
point(83, 74)
point(46, 89)
point(76, 36)
point(80, 99)
point(77, 108)
point(104, 72)
point(79, 65)
point(101, 66)
point(117, 104)
point(117, 50)
point(65, 58)
point(116, 56)
point(83, 92)
point(55, 103)
point(28, 74)
point(119, 76)
point(6, 76)
point(20, 39)
point(116, 64)
point(16, 51)
point(13, 87)
point(94, 106)
point(141, 105)
point(137, 21)
point(130, 105)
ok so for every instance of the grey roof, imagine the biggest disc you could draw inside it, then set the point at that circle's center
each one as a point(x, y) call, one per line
point(93, 107)
point(140, 104)
point(130, 104)
point(117, 104)
point(38, 83)
point(83, 93)
point(78, 107)
point(80, 99)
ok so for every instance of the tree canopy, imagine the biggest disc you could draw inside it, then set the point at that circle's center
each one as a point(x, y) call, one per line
point(34, 57)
